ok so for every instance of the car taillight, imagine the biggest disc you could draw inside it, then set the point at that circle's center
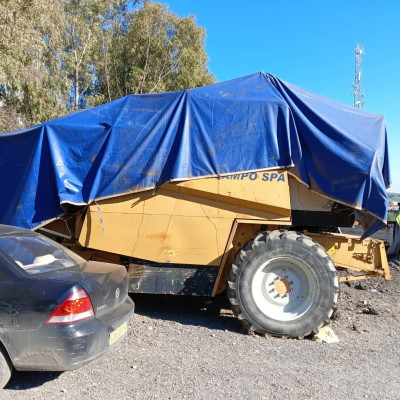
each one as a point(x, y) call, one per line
point(75, 308)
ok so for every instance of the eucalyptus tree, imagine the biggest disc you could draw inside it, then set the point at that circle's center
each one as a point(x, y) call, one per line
point(82, 45)
point(155, 51)
point(57, 56)
point(29, 31)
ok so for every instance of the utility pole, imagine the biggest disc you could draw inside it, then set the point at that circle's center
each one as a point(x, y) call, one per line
point(358, 93)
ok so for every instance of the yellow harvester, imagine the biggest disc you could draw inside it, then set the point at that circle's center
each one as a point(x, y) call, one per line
point(262, 236)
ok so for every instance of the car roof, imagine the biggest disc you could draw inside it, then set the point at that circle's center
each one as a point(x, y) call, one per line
point(6, 230)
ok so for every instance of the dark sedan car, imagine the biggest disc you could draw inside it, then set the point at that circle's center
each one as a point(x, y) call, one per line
point(57, 311)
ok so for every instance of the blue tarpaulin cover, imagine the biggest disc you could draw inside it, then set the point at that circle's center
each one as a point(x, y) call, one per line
point(143, 141)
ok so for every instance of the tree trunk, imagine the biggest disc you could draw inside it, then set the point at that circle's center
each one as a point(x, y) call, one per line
point(76, 88)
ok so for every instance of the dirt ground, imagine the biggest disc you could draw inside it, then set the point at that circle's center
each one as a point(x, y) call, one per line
point(179, 349)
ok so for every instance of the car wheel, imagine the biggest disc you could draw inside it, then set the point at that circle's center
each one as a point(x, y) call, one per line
point(5, 367)
point(284, 284)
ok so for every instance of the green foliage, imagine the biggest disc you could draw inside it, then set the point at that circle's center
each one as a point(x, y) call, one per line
point(152, 50)
point(10, 120)
point(29, 78)
point(394, 197)
point(84, 26)
point(392, 215)
point(57, 56)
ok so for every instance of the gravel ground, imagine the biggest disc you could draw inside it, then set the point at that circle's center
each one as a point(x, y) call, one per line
point(177, 348)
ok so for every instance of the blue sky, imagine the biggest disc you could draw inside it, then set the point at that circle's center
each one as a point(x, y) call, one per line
point(310, 44)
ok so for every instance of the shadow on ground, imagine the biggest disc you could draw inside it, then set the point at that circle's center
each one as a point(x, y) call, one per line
point(197, 311)
point(29, 380)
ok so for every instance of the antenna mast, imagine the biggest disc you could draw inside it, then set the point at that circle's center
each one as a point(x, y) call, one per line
point(358, 93)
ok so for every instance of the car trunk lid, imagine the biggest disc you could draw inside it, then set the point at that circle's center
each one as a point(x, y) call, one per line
point(106, 284)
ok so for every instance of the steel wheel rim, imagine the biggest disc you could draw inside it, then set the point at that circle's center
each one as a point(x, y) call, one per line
point(284, 288)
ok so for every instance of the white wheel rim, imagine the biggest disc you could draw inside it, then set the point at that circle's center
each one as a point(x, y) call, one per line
point(283, 288)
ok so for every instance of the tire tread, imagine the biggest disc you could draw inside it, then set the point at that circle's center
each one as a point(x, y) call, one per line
point(256, 244)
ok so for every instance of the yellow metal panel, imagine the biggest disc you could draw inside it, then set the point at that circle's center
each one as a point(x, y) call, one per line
point(138, 235)
point(269, 189)
point(365, 256)
point(151, 236)
point(98, 229)
point(350, 278)
point(265, 190)
point(195, 240)
point(187, 222)
point(192, 206)
point(302, 198)
point(138, 203)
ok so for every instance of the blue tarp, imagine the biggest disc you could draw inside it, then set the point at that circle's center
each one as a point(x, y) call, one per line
point(143, 141)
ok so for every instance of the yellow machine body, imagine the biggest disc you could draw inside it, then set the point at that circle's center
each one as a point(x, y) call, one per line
point(187, 222)
point(203, 222)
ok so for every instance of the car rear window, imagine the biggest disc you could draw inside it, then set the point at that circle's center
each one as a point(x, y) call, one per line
point(37, 254)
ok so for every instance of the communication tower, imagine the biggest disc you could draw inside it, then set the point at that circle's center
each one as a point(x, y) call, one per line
point(358, 93)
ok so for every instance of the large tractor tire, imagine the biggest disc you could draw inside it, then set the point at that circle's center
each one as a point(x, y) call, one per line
point(283, 284)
